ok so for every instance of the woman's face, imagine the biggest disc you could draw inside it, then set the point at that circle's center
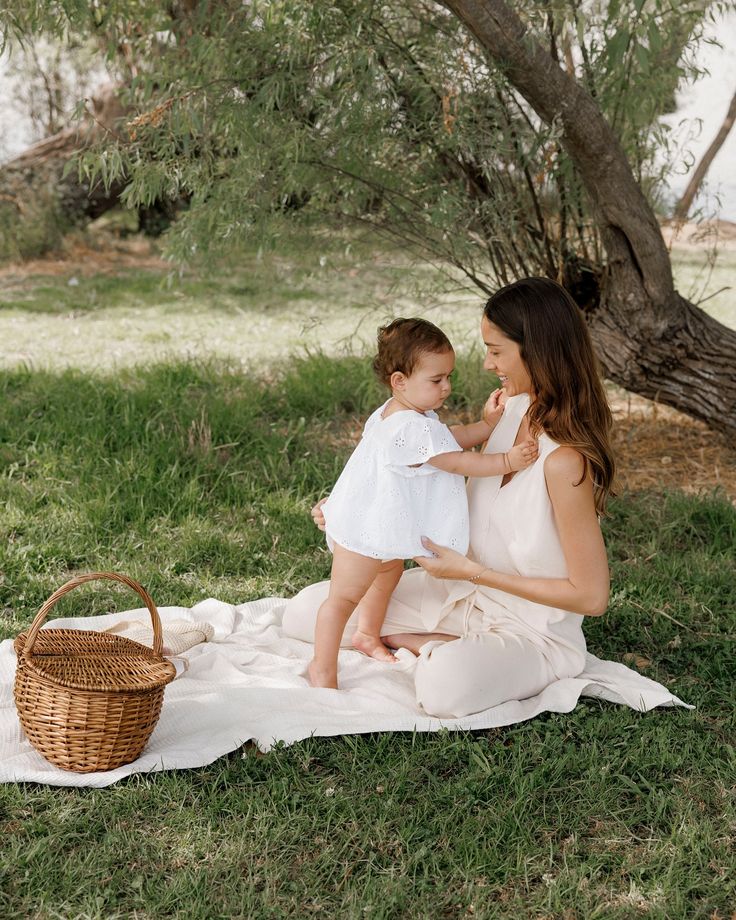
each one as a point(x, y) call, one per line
point(503, 358)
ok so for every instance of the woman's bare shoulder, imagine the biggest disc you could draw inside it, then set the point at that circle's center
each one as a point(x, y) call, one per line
point(564, 464)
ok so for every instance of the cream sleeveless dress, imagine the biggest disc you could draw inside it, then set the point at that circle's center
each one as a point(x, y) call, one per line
point(508, 648)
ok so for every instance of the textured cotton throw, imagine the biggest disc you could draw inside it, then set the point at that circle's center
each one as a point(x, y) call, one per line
point(247, 683)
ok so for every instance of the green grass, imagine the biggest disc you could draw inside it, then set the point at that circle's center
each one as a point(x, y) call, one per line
point(703, 276)
point(196, 478)
point(325, 292)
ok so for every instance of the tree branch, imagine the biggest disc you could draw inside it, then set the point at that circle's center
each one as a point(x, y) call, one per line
point(586, 136)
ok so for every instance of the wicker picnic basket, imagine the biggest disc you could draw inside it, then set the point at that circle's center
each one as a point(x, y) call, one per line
point(89, 700)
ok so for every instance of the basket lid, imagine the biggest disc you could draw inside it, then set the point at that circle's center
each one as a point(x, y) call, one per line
point(86, 660)
point(76, 642)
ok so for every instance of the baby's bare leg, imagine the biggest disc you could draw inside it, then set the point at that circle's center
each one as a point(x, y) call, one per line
point(372, 611)
point(415, 641)
point(352, 575)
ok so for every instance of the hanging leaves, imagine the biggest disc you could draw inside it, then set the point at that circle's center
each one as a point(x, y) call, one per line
point(276, 110)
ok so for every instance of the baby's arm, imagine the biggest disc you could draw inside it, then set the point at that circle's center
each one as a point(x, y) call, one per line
point(472, 435)
point(468, 436)
point(468, 463)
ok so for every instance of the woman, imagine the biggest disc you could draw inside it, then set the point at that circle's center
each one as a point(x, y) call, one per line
point(505, 621)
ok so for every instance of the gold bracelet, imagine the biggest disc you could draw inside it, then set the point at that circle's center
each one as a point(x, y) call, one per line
point(476, 578)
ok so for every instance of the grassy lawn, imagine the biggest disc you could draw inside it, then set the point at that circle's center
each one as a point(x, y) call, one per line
point(194, 475)
point(319, 292)
point(327, 293)
point(197, 479)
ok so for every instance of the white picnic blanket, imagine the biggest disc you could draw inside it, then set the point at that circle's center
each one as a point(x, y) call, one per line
point(249, 683)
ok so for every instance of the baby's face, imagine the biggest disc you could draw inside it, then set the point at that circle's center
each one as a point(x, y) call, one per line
point(428, 385)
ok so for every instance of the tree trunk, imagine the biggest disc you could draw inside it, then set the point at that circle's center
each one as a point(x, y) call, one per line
point(42, 166)
point(649, 339)
point(686, 202)
point(33, 187)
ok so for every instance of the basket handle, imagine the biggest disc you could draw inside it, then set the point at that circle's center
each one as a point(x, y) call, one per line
point(80, 580)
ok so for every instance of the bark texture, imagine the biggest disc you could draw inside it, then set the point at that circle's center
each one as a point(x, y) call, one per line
point(649, 339)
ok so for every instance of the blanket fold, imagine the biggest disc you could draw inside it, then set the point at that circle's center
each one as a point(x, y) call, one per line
point(247, 683)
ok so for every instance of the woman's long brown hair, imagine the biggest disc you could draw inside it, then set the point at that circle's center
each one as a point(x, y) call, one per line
point(570, 403)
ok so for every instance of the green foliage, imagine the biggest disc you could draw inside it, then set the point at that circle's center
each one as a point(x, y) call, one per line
point(381, 114)
point(197, 479)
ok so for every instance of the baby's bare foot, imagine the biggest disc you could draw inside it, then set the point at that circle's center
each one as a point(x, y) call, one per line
point(321, 677)
point(372, 646)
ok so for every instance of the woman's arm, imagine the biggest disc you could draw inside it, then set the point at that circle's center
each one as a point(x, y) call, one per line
point(585, 590)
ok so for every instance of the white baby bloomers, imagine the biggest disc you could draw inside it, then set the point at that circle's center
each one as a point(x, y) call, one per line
point(388, 496)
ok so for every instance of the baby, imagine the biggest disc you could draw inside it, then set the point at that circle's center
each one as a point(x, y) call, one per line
point(404, 480)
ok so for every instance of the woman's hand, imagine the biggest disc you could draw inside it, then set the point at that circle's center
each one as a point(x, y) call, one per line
point(317, 514)
point(446, 562)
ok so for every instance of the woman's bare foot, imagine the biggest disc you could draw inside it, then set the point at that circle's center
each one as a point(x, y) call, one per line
point(321, 677)
point(372, 646)
point(414, 641)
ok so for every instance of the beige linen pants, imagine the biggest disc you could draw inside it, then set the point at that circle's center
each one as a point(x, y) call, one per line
point(483, 667)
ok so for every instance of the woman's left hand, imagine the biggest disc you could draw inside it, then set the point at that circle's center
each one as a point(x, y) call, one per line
point(446, 562)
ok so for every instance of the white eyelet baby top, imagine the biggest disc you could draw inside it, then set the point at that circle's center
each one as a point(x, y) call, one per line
point(388, 496)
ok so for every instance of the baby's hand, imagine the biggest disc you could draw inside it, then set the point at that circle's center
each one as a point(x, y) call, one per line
point(493, 409)
point(523, 455)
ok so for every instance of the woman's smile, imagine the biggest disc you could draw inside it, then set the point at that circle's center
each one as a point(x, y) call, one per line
point(503, 358)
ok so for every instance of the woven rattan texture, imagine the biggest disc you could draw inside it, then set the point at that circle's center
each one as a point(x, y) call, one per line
point(88, 664)
point(71, 642)
point(89, 701)
point(86, 731)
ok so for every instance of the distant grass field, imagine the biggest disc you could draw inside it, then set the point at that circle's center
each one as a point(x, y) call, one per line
point(196, 478)
point(319, 292)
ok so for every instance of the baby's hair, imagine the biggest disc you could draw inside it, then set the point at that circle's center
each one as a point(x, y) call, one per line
point(401, 344)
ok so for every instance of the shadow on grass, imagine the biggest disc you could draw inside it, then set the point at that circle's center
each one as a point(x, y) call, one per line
point(197, 480)
point(200, 475)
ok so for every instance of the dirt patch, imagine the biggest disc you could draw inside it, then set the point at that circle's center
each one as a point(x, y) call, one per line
point(660, 448)
point(110, 255)
point(705, 235)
